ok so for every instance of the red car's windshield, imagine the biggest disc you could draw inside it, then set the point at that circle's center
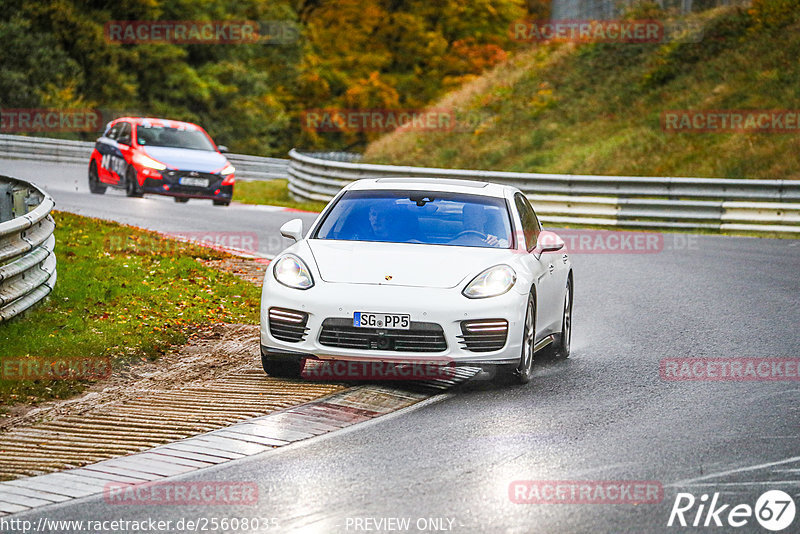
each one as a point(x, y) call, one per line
point(147, 135)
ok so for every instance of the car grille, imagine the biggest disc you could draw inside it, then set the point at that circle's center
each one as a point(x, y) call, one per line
point(287, 325)
point(421, 337)
point(484, 335)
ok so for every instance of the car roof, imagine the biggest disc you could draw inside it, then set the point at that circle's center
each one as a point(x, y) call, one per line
point(450, 185)
point(154, 121)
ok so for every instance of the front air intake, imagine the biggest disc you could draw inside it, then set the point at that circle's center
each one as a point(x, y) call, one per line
point(485, 335)
point(287, 325)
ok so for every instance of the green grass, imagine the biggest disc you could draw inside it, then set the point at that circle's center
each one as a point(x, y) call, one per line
point(596, 108)
point(122, 294)
point(273, 193)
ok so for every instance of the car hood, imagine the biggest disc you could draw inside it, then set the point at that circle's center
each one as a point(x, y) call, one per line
point(434, 266)
point(186, 159)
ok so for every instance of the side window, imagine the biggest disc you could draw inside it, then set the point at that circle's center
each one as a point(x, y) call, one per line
point(113, 133)
point(530, 224)
point(125, 133)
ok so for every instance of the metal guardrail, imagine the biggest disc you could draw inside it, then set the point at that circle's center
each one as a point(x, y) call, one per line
point(78, 152)
point(27, 257)
point(607, 201)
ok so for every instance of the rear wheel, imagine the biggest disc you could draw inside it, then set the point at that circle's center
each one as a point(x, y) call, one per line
point(131, 184)
point(564, 340)
point(222, 202)
point(282, 366)
point(524, 371)
point(95, 186)
point(181, 200)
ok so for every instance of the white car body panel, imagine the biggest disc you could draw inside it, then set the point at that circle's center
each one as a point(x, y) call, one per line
point(426, 283)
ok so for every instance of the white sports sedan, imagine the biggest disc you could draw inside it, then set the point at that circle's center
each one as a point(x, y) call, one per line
point(407, 269)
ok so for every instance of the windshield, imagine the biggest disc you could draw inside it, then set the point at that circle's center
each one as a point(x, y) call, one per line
point(432, 218)
point(172, 137)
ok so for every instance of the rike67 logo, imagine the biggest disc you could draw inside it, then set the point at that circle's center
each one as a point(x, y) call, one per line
point(774, 510)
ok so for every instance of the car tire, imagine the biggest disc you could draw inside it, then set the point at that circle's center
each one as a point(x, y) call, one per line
point(222, 202)
point(95, 185)
point(131, 184)
point(181, 200)
point(563, 341)
point(281, 366)
point(522, 371)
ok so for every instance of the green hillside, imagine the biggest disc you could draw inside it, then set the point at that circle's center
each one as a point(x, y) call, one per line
point(597, 108)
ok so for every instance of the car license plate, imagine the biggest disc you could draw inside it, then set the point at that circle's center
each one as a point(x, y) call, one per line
point(196, 182)
point(397, 321)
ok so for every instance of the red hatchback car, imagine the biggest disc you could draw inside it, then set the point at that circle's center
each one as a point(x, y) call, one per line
point(160, 156)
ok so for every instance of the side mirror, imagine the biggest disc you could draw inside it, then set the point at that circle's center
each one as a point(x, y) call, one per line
point(222, 148)
point(293, 229)
point(548, 242)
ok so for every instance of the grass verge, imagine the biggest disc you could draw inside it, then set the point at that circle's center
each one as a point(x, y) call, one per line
point(273, 193)
point(122, 294)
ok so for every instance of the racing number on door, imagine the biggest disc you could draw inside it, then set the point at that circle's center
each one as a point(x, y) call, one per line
point(114, 163)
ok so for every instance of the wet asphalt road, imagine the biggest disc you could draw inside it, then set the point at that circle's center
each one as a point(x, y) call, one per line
point(604, 414)
point(236, 224)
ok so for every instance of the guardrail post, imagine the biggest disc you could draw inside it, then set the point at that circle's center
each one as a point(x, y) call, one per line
point(6, 203)
point(18, 204)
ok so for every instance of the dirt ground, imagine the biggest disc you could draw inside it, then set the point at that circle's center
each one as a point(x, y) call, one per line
point(213, 381)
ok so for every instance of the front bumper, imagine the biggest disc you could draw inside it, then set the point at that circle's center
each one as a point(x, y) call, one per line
point(169, 184)
point(445, 307)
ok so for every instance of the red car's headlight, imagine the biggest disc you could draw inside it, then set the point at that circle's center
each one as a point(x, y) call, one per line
point(146, 161)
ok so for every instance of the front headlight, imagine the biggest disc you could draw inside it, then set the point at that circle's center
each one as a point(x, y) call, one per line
point(146, 161)
point(229, 169)
point(292, 272)
point(492, 282)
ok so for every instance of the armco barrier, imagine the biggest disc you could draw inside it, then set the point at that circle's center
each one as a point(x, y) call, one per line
point(77, 152)
point(605, 201)
point(27, 257)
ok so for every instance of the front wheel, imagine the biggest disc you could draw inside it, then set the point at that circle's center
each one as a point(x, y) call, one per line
point(95, 186)
point(282, 366)
point(131, 184)
point(522, 372)
point(181, 200)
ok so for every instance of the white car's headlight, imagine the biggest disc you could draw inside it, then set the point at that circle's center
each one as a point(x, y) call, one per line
point(492, 282)
point(292, 272)
point(229, 169)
